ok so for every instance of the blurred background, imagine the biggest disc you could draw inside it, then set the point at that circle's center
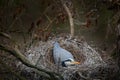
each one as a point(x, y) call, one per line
point(30, 21)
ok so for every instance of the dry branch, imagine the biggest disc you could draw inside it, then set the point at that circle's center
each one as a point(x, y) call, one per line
point(15, 52)
point(5, 35)
point(70, 18)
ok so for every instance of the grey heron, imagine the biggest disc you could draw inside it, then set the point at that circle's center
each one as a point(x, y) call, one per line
point(62, 56)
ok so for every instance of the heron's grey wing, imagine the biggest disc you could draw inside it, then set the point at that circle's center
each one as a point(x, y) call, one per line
point(65, 54)
point(56, 55)
point(61, 54)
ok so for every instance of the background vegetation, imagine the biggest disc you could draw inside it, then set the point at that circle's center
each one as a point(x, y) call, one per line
point(30, 21)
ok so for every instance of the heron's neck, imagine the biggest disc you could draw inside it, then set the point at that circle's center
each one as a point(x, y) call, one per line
point(63, 64)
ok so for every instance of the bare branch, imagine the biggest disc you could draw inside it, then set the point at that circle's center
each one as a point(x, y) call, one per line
point(5, 35)
point(70, 18)
point(15, 52)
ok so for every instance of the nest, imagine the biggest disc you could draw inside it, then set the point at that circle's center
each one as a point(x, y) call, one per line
point(41, 56)
point(75, 52)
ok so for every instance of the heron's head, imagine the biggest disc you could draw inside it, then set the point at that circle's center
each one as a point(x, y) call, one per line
point(69, 62)
point(56, 44)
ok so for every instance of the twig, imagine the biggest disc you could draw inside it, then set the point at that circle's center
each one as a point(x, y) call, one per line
point(50, 22)
point(86, 78)
point(15, 19)
point(5, 35)
point(8, 37)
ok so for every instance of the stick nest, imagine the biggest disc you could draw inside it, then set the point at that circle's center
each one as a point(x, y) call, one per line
point(41, 55)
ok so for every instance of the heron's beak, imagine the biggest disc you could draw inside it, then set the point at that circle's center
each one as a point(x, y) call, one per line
point(75, 62)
